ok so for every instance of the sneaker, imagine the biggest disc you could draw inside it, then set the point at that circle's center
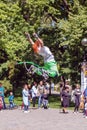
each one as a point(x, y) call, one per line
point(26, 111)
point(74, 112)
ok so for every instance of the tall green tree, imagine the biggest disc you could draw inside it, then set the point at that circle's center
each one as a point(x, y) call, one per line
point(62, 25)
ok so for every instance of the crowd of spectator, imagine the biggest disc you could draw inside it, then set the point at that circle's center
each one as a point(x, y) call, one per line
point(35, 92)
point(68, 95)
point(39, 92)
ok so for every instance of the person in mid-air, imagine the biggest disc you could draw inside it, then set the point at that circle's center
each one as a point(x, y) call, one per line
point(50, 66)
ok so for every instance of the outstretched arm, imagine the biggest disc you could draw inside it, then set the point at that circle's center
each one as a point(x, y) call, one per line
point(29, 38)
point(39, 39)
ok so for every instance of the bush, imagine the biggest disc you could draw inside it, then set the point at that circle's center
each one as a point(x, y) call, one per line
point(7, 85)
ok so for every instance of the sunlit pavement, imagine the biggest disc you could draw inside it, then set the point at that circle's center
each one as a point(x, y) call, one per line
point(41, 119)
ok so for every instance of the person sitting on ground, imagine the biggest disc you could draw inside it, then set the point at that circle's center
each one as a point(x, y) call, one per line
point(45, 99)
point(11, 100)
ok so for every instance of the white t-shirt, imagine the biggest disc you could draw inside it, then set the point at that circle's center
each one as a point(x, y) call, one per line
point(34, 91)
point(46, 53)
point(52, 85)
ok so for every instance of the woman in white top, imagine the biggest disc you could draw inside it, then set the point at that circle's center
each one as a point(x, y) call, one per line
point(25, 94)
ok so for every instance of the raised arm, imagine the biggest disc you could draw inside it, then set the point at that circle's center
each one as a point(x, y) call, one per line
point(29, 38)
point(39, 39)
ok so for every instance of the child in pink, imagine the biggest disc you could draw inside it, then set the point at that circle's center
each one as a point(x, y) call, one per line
point(1, 104)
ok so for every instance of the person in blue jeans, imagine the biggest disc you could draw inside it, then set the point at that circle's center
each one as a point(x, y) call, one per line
point(2, 95)
point(34, 93)
point(40, 92)
point(11, 100)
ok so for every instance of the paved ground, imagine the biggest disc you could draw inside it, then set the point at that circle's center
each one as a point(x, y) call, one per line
point(41, 119)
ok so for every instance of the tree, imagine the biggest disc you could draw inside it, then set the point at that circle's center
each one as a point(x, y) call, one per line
point(61, 23)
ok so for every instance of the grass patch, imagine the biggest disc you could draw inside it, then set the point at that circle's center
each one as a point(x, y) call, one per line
point(54, 102)
point(17, 100)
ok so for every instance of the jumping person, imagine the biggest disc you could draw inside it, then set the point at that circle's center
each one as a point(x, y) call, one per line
point(50, 66)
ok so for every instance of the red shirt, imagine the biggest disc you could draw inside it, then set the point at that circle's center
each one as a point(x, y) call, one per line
point(35, 46)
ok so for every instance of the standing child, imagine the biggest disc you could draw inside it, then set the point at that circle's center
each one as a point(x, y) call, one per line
point(25, 94)
point(11, 100)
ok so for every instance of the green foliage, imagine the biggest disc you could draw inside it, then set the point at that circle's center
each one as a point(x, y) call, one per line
point(62, 24)
point(6, 84)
